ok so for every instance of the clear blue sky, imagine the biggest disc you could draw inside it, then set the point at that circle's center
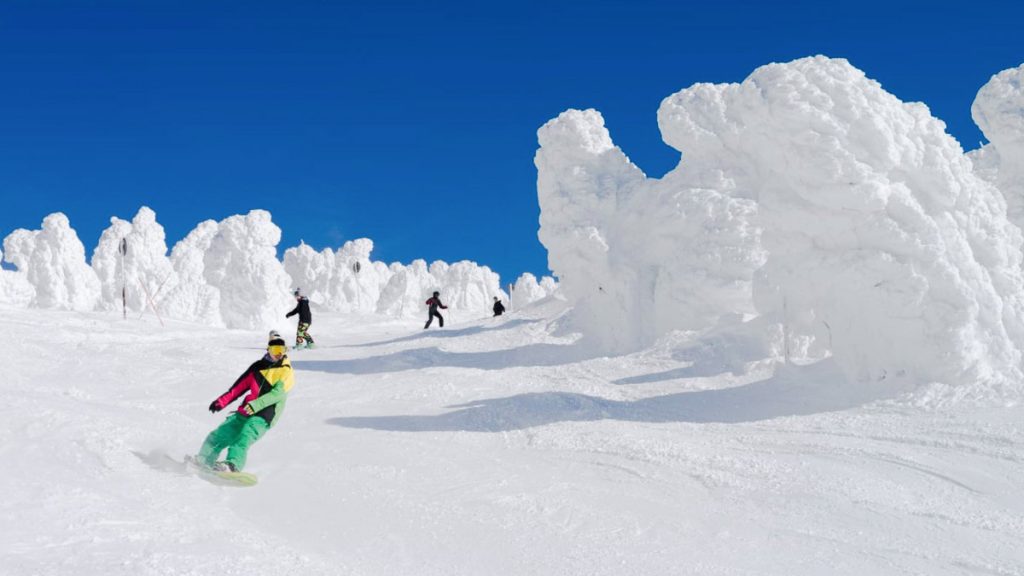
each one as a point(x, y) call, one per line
point(411, 123)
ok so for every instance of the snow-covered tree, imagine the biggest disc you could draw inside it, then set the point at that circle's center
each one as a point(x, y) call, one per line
point(53, 261)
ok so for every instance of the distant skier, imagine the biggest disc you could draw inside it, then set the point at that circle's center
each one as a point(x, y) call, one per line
point(265, 384)
point(435, 302)
point(498, 307)
point(305, 319)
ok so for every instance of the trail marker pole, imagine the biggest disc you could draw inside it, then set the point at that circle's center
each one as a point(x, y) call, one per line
point(122, 249)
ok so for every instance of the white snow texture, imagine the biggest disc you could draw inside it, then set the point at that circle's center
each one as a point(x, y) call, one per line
point(812, 196)
point(848, 222)
point(227, 274)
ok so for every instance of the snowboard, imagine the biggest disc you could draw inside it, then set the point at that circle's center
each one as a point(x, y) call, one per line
point(189, 467)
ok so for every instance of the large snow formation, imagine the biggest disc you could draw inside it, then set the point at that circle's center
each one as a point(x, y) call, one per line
point(227, 274)
point(345, 280)
point(998, 110)
point(464, 286)
point(879, 244)
point(639, 256)
point(528, 290)
point(242, 263)
point(193, 298)
point(15, 289)
point(53, 262)
point(144, 272)
point(348, 281)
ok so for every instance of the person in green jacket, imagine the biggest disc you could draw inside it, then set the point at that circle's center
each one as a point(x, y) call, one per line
point(265, 386)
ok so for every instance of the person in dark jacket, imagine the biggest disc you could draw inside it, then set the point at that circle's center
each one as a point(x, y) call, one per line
point(498, 307)
point(434, 302)
point(302, 337)
point(265, 385)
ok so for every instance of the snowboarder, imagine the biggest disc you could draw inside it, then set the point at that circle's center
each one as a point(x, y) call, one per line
point(435, 302)
point(305, 319)
point(265, 384)
point(498, 307)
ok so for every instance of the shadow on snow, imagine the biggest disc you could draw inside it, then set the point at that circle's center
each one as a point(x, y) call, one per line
point(436, 332)
point(792, 391)
point(417, 358)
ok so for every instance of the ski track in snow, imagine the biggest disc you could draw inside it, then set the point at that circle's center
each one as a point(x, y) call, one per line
point(488, 447)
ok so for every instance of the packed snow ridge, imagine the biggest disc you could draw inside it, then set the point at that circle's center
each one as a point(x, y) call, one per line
point(227, 274)
point(847, 222)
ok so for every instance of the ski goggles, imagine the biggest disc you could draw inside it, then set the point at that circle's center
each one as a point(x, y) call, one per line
point(277, 350)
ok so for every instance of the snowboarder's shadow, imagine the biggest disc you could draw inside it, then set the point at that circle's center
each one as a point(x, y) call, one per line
point(436, 332)
point(792, 391)
point(433, 357)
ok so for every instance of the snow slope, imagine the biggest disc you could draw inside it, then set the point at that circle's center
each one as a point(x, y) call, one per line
point(489, 447)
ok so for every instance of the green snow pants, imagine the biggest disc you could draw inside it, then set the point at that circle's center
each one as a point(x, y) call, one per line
point(237, 434)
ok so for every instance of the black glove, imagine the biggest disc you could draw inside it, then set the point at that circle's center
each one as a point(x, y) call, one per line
point(214, 408)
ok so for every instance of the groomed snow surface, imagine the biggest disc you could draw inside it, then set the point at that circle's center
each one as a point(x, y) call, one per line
point(488, 447)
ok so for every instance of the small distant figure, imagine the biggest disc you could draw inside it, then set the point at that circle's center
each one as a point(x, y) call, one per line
point(302, 337)
point(498, 307)
point(435, 302)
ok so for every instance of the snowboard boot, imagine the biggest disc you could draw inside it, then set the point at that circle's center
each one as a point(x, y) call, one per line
point(223, 467)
